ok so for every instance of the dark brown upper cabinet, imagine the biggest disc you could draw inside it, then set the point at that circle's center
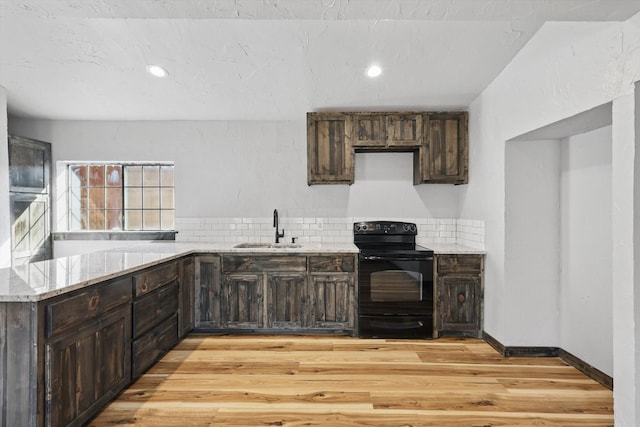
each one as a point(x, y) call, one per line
point(369, 130)
point(439, 142)
point(329, 150)
point(444, 156)
point(386, 130)
point(404, 130)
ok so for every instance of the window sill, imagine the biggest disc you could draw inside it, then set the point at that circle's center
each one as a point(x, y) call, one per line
point(115, 235)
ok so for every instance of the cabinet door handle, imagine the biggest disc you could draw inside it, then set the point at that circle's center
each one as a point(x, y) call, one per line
point(461, 297)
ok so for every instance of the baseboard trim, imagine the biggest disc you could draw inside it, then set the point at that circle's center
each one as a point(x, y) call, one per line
point(587, 369)
point(565, 356)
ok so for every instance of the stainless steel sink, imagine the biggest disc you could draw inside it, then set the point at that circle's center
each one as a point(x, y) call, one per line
point(268, 245)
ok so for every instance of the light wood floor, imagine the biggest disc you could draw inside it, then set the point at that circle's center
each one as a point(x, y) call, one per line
point(343, 381)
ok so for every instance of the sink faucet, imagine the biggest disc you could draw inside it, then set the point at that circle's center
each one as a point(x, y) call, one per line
point(275, 224)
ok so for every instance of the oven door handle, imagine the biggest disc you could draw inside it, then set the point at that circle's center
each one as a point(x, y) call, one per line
point(391, 258)
point(391, 325)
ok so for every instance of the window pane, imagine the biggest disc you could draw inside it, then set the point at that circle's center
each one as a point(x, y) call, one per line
point(167, 198)
point(78, 176)
point(96, 220)
point(166, 175)
point(96, 176)
point(133, 198)
point(151, 220)
point(96, 198)
point(114, 198)
point(78, 220)
point(151, 198)
point(133, 219)
point(151, 176)
point(117, 196)
point(114, 219)
point(114, 176)
point(75, 201)
point(133, 176)
point(168, 220)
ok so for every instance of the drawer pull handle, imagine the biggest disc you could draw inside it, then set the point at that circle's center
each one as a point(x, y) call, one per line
point(144, 287)
point(93, 302)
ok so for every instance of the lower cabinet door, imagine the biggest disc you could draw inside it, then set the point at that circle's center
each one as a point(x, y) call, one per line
point(87, 368)
point(286, 300)
point(241, 301)
point(153, 345)
point(458, 303)
point(332, 301)
point(153, 307)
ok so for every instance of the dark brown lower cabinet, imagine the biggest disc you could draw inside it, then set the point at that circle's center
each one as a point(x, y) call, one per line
point(241, 302)
point(276, 293)
point(207, 291)
point(187, 289)
point(155, 326)
point(459, 294)
point(86, 368)
point(151, 346)
point(65, 357)
point(332, 301)
point(286, 300)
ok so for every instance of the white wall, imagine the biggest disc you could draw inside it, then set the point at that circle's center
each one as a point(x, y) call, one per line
point(5, 218)
point(247, 168)
point(532, 260)
point(625, 178)
point(567, 68)
point(586, 290)
point(244, 169)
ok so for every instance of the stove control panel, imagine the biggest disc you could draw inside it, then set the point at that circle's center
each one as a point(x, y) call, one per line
point(385, 227)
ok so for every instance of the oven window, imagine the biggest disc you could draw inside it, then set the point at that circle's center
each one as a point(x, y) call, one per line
point(396, 285)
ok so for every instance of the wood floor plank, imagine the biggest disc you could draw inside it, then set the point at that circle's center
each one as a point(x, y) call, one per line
point(343, 381)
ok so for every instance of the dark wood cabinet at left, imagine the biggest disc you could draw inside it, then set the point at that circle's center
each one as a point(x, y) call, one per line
point(65, 357)
point(87, 351)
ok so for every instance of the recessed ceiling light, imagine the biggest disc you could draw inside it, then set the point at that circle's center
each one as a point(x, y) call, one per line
point(157, 70)
point(374, 71)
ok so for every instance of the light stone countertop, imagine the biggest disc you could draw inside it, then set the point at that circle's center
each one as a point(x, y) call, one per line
point(453, 248)
point(45, 279)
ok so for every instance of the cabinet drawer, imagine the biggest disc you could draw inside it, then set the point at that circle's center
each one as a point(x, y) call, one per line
point(235, 263)
point(330, 264)
point(471, 264)
point(156, 277)
point(70, 311)
point(152, 345)
point(153, 308)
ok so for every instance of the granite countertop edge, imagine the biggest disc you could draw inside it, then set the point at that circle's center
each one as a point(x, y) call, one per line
point(46, 279)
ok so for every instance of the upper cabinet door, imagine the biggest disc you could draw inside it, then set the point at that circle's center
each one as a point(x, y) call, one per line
point(329, 151)
point(369, 130)
point(447, 148)
point(404, 130)
point(29, 165)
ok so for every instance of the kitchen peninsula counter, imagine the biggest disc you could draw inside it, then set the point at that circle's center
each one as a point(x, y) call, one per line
point(45, 279)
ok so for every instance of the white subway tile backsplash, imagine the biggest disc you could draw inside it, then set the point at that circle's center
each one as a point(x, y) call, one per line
point(467, 232)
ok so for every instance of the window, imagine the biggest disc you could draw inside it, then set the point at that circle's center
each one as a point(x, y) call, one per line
point(121, 196)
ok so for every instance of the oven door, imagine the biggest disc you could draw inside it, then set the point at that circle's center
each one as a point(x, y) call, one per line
point(395, 296)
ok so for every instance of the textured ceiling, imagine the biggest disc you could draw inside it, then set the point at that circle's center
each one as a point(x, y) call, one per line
point(263, 60)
